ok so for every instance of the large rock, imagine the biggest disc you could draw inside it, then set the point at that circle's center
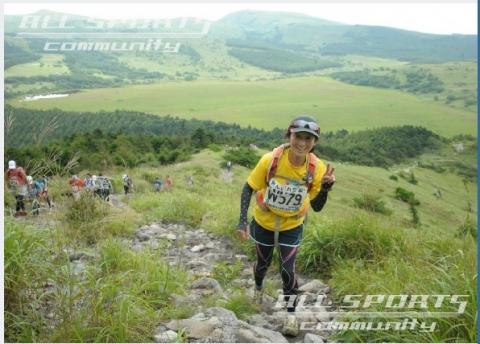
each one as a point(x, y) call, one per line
point(314, 286)
point(190, 300)
point(227, 333)
point(155, 227)
point(196, 329)
point(141, 236)
point(258, 320)
point(247, 333)
point(268, 304)
point(214, 324)
point(313, 338)
point(197, 263)
point(166, 337)
point(207, 283)
point(221, 313)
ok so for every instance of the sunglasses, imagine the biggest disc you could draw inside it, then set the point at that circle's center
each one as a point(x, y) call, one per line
point(301, 123)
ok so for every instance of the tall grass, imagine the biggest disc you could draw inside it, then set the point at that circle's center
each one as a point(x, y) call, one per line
point(363, 257)
point(361, 237)
point(25, 268)
point(125, 292)
point(90, 219)
point(120, 297)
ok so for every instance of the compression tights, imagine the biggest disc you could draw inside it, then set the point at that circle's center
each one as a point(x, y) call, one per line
point(287, 257)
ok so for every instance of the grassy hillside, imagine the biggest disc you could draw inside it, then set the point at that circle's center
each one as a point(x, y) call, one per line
point(354, 251)
point(267, 104)
point(301, 32)
point(453, 83)
point(46, 65)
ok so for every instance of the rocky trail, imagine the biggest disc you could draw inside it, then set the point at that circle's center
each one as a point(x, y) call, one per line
point(198, 251)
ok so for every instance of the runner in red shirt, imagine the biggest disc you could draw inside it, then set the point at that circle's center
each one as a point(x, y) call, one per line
point(77, 185)
point(16, 180)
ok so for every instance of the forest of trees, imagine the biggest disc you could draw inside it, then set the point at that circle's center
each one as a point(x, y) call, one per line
point(16, 55)
point(381, 147)
point(417, 80)
point(263, 55)
point(98, 150)
point(60, 123)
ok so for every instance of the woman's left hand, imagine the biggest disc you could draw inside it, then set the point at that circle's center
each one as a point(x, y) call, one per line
point(328, 178)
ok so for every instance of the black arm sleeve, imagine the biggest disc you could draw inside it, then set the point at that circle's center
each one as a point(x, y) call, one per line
point(319, 201)
point(244, 204)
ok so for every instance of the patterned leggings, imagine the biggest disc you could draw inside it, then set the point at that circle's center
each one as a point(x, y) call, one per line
point(287, 256)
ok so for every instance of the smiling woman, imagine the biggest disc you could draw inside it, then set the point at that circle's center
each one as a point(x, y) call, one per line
point(287, 182)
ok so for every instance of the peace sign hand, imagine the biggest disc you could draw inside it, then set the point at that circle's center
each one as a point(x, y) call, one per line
point(328, 178)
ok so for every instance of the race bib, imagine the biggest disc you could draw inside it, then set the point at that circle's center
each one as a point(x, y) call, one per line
point(285, 197)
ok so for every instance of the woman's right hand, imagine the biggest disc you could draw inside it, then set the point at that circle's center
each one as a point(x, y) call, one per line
point(242, 233)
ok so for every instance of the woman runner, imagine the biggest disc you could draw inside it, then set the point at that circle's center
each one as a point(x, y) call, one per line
point(287, 182)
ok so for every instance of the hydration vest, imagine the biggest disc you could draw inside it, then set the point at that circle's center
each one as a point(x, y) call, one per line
point(272, 169)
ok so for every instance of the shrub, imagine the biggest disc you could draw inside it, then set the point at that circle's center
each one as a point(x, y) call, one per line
point(214, 147)
point(372, 203)
point(406, 196)
point(242, 156)
point(85, 217)
point(393, 177)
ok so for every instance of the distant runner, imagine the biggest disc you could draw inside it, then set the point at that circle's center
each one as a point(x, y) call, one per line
point(168, 183)
point(90, 183)
point(16, 180)
point(127, 183)
point(103, 187)
point(157, 184)
point(41, 187)
point(287, 182)
point(76, 185)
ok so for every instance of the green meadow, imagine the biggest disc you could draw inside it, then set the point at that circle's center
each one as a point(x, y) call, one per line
point(268, 104)
point(48, 64)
